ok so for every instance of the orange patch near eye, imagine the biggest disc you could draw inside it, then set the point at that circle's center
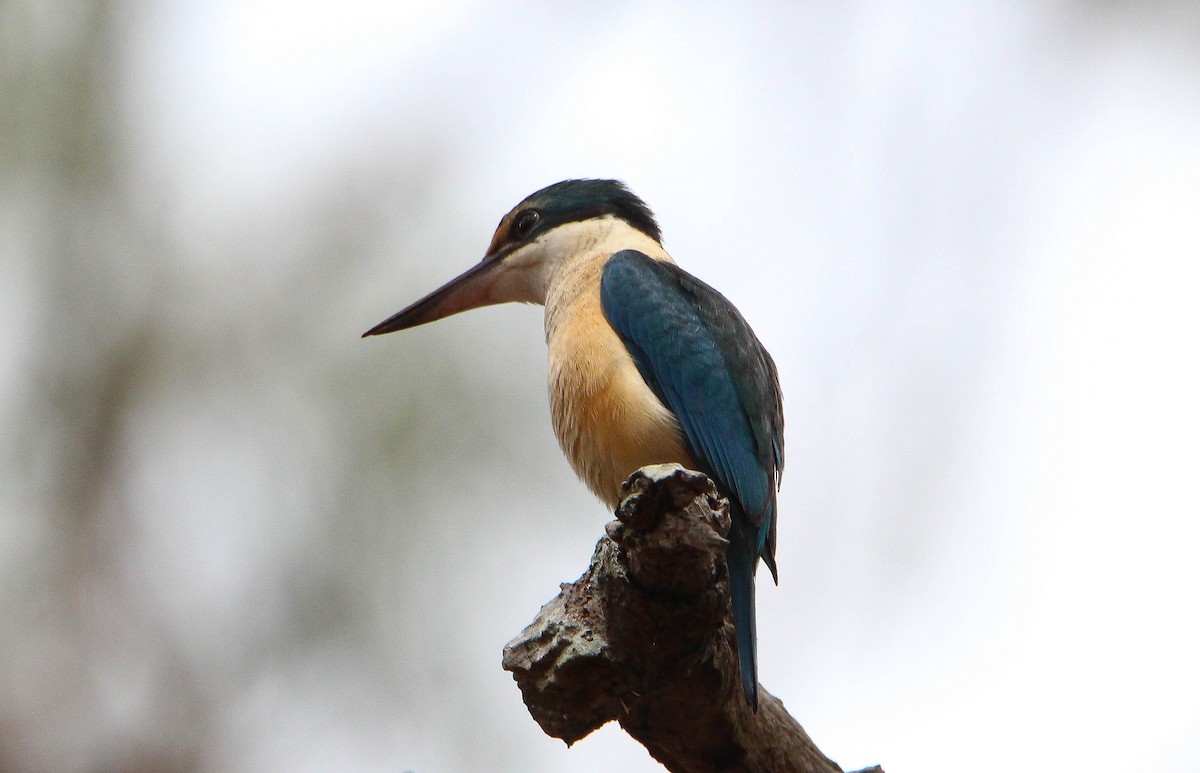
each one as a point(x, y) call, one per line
point(502, 235)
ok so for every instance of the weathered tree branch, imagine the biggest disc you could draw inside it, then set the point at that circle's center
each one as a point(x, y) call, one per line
point(645, 637)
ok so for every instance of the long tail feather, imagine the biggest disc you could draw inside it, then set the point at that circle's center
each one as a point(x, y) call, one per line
point(741, 558)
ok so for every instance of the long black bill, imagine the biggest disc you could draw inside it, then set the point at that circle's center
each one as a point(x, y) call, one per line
point(469, 290)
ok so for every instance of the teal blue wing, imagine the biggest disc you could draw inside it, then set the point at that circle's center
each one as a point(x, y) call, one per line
point(702, 360)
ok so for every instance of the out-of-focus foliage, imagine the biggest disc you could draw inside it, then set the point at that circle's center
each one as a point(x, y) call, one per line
point(219, 520)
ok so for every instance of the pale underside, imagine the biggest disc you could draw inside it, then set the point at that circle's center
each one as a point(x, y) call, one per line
point(607, 420)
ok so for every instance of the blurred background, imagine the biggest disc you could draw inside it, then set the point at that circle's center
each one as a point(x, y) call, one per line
point(236, 537)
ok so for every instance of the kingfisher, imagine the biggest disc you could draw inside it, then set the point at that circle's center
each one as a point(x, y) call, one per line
point(647, 364)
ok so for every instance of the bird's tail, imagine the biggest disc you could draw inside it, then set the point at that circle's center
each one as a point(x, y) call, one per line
point(741, 557)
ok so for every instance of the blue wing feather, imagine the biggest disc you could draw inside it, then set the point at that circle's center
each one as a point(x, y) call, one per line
point(701, 359)
point(699, 356)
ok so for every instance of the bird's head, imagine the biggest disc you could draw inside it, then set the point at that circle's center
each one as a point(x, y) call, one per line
point(558, 223)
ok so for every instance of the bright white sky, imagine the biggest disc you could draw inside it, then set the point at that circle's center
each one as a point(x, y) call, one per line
point(968, 234)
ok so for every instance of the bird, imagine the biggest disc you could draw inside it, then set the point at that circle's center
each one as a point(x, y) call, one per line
point(647, 364)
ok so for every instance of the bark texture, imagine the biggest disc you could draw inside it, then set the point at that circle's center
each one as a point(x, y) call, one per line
point(645, 638)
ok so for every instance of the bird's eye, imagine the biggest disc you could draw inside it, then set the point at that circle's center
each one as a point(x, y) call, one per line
point(526, 221)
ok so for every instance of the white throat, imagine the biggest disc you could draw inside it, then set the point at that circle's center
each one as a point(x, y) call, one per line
point(562, 259)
